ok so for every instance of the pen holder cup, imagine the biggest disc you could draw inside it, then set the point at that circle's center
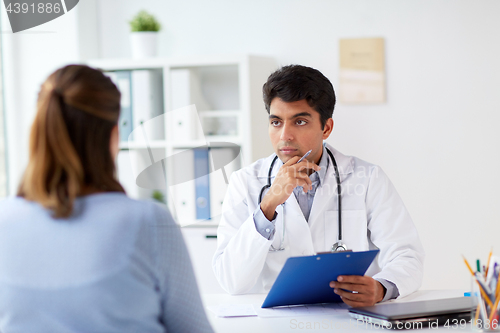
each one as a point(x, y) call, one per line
point(485, 314)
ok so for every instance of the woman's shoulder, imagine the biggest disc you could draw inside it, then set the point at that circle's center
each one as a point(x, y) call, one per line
point(9, 202)
point(120, 204)
point(117, 199)
point(99, 239)
point(18, 206)
point(108, 206)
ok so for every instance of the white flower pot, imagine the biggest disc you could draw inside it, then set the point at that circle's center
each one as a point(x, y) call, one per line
point(144, 44)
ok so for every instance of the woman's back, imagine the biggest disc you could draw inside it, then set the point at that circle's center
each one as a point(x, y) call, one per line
point(115, 265)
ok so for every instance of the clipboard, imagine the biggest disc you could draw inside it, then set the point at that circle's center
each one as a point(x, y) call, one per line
point(306, 280)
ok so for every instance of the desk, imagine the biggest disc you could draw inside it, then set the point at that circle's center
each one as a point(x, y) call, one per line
point(341, 322)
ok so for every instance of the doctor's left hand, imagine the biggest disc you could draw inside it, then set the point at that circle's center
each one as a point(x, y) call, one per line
point(368, 291)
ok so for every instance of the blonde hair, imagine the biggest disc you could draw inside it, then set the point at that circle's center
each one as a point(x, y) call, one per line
point(77, 108)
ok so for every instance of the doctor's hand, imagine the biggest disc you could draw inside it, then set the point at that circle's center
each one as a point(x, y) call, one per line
point(368, 290)
point(289, 176)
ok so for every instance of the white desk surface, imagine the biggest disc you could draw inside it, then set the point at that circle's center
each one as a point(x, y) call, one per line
point(341, 322)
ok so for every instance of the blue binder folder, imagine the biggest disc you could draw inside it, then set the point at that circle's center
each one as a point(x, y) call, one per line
point(202, 189)
point(306, 280)
point(123, 80)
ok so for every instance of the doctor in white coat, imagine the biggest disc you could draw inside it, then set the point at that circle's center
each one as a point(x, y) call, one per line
point(298, 214)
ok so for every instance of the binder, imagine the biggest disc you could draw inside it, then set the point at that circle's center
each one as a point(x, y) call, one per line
point(140, 172)
point(186, 96)
point(182, 187)
point(147, 103)
point(202, 189)
point(122, 81)
point(185, 124)
point(200, 180)
point(306, 280)
point(224, 161)
point(125, 173)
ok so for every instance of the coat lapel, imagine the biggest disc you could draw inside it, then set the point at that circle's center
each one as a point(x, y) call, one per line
point(300, 240)
point(326, 199)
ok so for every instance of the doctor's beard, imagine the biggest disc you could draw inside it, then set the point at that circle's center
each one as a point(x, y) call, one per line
point(285, 157)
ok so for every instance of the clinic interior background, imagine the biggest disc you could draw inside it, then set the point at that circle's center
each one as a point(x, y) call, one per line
point(436, 136)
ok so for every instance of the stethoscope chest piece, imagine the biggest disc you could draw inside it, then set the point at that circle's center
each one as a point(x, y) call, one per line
point(339, 247)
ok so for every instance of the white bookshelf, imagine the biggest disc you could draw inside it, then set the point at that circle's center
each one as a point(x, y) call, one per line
point(229, 103)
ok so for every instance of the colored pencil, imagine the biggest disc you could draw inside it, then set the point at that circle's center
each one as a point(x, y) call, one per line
point(486, 298)
point(488, 263)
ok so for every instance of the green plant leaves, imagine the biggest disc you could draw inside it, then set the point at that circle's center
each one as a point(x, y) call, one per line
point(144, 21)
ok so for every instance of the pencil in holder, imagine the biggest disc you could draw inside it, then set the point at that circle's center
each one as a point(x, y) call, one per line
point(485, 314)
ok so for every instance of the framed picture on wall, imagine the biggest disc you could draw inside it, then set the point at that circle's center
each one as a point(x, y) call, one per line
point(362, 71)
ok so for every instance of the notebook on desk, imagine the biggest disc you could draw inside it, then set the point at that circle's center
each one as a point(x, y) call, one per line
point(306, 280)
point(453, 312)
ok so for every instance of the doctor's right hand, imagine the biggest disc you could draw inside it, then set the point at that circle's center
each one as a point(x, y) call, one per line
point(289, 176)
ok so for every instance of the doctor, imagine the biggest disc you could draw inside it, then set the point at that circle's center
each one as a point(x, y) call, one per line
point(297, 215)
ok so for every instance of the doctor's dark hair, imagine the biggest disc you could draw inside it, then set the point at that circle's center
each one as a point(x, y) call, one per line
point(69, 146)
point(294, 83)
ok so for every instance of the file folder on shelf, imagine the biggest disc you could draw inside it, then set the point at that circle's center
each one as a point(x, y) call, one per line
point(186, 98)
point(122, 80)
point(147, 103)
point(183, 186)
point(202, 190)
point(225, 160)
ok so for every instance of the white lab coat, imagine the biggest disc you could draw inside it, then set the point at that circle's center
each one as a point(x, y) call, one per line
point(373, 215)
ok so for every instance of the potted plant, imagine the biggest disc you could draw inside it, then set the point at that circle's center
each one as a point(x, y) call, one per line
point(158, 196)
point(144, 35)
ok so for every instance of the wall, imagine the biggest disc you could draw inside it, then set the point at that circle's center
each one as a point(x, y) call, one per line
point(28, 58)
point(436, 136)
point(3, 143)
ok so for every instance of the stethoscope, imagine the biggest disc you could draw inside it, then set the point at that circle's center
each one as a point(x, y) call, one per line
point(339, 246)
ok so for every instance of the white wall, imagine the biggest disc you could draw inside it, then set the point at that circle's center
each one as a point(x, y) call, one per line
point(436, 136)
point(29, 57)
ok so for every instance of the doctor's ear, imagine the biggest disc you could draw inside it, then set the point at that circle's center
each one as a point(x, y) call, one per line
point(327, 130)
point(114, 142)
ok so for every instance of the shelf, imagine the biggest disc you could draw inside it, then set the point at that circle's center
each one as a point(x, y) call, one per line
point(220, 113)
point(223, 140)
point(208, 60)
point(212, 223)
point(121, 64)
point(212, 141)
point(227, 92)
point(115, 64)
point(142, 145)
point(203, 224)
